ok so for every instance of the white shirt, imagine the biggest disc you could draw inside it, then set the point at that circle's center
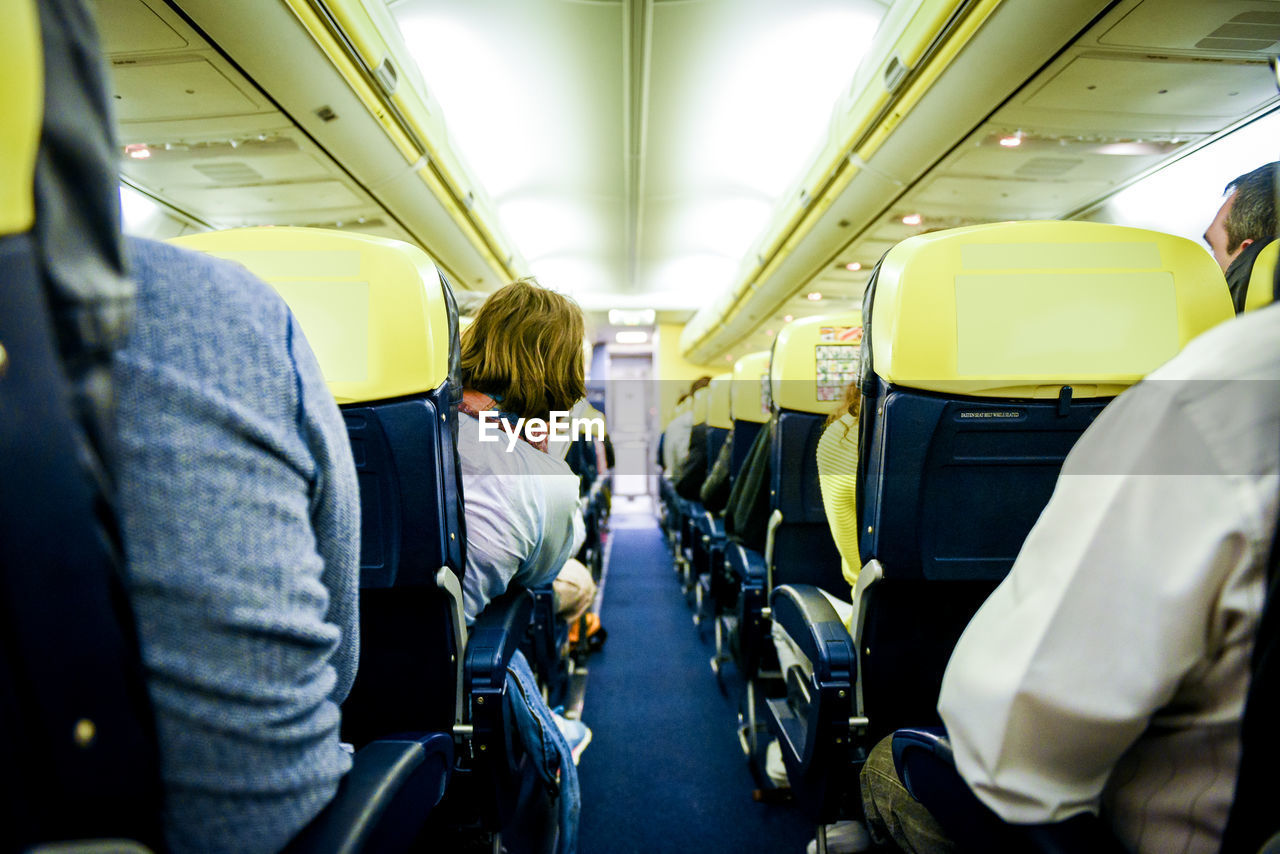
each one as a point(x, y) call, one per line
point(676, 446)
point(521, 509)
point(1111, 665)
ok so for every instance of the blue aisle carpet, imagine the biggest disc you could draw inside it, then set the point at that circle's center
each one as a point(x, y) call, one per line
point(664, 772)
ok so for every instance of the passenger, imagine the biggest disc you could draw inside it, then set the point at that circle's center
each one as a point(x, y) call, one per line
point(714, 493)
point(240, 512)
point(1244, 224)
point(692, 470)
point(678, 432)
point(1109, 670)
point(746, 512)
point(521, 360)
point(837, 479)
point(575, 590)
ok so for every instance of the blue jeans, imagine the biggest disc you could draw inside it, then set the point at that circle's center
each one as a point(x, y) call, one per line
point(544, 742)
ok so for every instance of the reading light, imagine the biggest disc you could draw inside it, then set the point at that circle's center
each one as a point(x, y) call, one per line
point(912, 219)
point(813, 296)
point(853, 266)
point(787, 318)
point(1012, 140)
point(631, 336)
point(137, 151)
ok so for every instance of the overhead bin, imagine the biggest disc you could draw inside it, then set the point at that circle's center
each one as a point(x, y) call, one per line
point(340, 70)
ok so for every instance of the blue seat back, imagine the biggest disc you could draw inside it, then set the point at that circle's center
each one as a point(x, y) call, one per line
point(954, 486)
point(804, 551)
point(716, 437)
point(744, 434)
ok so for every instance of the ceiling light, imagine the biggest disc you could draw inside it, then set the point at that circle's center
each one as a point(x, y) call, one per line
point(632, 336)
point(1013, 140)
point(853, 266)
point(631, 316)
point(813, 296)
point(728, 357)
point(912, 219)
point(769, 333)
point(137, 151)
point(787, 318)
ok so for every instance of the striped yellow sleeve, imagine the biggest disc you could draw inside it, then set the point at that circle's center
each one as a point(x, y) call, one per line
point(837, 478)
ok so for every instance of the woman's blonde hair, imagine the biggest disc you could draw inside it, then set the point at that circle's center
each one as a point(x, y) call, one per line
point(852, 404)
point(525, 346)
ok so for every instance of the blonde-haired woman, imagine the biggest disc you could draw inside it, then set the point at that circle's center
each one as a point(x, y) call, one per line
point(522, 360)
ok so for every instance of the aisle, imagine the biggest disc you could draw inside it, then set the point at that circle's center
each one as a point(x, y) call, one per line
point(664, 772)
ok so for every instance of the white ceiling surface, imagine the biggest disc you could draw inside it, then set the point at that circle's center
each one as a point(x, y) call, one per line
point(635, 150)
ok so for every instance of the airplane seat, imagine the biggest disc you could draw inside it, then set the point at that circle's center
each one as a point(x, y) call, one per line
point(926, 765)
point(80, 751)
point(749, 413)
point(1262, 290)
point(813, 360)
point(708, 527)
point(73, 682)
point(976, 381)
point(719, 417)
point(544, 641)
point(748, 404)
point(398, 391)
point(688, 510)
point(670, 501)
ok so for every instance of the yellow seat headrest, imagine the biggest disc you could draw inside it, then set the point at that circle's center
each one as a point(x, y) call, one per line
point(22, 108)
point(700, 405)
point(814, 360)
point(1262, 279)
point(719, 400)
point(1020, 309)
point(749, 400)
point(374, 310)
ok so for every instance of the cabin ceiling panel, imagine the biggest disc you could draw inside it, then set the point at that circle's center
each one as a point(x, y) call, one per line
point(1056, 155)
point(1127, 94)
point(1196, 25)
point(533, 94)
point(625, 144)
point(163, 89)
point(130, 26)
point(250, 164)
point(997, 198)
point(286, 201)
point(1165, 87)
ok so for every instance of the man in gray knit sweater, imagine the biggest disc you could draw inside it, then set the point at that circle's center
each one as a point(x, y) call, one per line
point(240, 512)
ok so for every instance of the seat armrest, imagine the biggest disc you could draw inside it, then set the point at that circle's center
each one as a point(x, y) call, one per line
point(746, 565)
point(806, 615)
point(710, 525)
point(384, 799)
point(495, 637)
point(926, 766)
